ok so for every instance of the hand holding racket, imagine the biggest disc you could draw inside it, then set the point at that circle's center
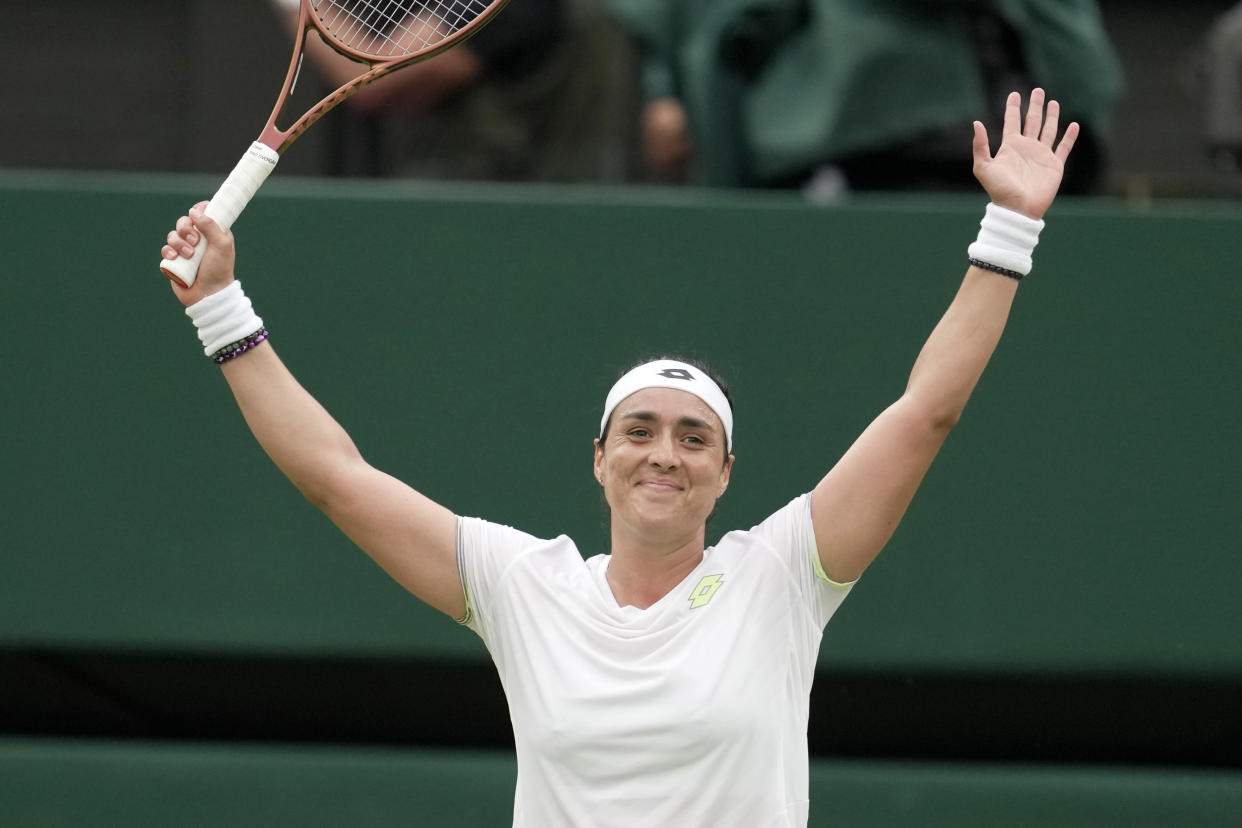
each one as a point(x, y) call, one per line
point(382, 36)
point(215, 266)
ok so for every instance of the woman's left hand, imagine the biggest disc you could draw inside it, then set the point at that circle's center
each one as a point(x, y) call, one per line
point(1026, 171)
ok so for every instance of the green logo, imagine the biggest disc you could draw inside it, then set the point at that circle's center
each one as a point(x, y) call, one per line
point(706, 588)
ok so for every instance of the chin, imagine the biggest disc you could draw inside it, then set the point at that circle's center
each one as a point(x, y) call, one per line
point(672, 520)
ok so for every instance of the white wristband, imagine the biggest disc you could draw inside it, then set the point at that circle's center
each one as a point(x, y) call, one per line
point(223, 318)
point(1006, 240)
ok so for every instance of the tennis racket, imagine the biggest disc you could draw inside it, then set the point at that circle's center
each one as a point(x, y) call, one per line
point(382, 36)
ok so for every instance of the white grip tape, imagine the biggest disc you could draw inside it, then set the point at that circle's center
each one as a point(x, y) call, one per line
point(226, 205)
point(1006, 239)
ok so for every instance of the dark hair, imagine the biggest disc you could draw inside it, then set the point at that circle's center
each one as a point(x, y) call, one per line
point(693, 363)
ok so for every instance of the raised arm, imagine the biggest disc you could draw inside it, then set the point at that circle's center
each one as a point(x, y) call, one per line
point(410, 536)
point(856, 507)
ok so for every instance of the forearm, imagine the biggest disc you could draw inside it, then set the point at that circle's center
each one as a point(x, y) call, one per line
point(410, 536)
point(959, 348)
point(295, 431)
point(953, 359)
point(859, 503)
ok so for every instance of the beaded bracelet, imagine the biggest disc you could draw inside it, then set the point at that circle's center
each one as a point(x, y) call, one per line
point(1012, 274)
point(224, 317)
point(236, 349)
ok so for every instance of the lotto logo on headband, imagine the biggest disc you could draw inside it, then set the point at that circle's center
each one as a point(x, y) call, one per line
point(666, 373)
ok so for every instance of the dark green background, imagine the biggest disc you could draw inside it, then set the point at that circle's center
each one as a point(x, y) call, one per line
point(1080, 521)
point(1083, 514)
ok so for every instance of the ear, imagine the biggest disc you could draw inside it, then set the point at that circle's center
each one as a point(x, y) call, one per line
point(599, 463)
point(726, 473)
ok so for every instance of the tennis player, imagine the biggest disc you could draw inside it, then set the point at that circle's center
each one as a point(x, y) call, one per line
point(665, 683)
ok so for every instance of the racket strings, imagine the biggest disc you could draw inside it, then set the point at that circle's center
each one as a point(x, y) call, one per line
point(391, 28)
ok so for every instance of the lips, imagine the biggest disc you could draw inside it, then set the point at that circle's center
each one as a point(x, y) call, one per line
point(661, 485)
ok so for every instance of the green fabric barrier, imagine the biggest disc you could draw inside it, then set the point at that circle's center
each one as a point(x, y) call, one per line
point(1082, 517)
point(132, 785)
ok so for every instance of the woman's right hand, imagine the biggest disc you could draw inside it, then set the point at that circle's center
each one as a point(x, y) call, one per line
point(215, 271)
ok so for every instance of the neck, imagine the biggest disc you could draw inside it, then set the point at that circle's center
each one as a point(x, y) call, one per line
point(642, 572)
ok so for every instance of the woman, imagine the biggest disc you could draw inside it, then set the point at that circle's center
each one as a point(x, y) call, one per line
point(666, 682)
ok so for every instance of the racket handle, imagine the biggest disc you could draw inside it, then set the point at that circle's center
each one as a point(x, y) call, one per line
point(225, 206)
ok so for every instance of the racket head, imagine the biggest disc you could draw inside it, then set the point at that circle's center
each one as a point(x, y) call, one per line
point(383, 32)
point(384, 35)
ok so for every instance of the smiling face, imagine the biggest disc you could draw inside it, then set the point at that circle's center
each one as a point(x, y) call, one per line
point(663, 464)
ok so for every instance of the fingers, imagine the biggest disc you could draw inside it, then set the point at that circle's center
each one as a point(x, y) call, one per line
point(1034, 114)
point(1052, 116)
point(1067, 142)
point(1043, 121)
point(979, 147)
point(178, 246)
point(1013, 114)
point(184, 236)
point(198, 215)
point(181, 240)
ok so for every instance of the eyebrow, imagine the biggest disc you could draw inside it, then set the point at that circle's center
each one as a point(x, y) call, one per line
point(650, 416)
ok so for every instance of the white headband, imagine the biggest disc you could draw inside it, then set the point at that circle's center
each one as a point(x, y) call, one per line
point(669, 373)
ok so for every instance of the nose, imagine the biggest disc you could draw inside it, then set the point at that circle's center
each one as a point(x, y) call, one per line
point(664, 452)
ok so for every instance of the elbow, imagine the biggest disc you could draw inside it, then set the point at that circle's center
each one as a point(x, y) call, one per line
point(319, 496)
point(936, 416)
point(329, 490)
point(329, 480)
point(944, 421)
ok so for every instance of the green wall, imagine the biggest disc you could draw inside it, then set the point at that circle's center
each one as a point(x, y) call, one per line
point(1080, 522)
point(118, 785)
point(1082, 517)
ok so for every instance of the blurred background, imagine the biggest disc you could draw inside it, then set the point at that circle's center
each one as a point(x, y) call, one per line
point(1052, 638)
point(177, 87)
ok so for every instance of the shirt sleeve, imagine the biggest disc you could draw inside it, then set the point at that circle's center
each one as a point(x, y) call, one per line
point(484, 551)
point(791, 533)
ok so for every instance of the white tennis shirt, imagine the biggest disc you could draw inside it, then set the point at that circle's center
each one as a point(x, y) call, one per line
point(692, 712)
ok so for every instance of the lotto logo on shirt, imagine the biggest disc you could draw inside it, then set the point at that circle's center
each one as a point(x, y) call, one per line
point(706, 588)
